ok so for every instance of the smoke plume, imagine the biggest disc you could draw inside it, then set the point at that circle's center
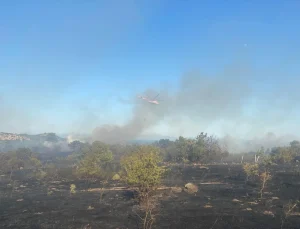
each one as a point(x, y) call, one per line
point(226, 102)
point(198, 98)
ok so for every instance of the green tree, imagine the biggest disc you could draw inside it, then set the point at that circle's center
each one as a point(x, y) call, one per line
point(167, 148)
point(295, 144)
point(182, 148)
point(14, 163)
point(264, 178)
point(76, 146)
point(295, 147)
point(287, 154)
point(197, 151)
point(142, 168)
point(251, 170)
point(95, 157)
point(77, 151)
point(266, 162)
point(21, 158)
point(89, 168)
point(283, 154)
point(163, 143)
point(205, 149)
point(51, 137)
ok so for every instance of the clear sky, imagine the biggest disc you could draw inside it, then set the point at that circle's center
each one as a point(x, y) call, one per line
point(63, 64)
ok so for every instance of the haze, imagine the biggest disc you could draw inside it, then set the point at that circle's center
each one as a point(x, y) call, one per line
point(78, 68)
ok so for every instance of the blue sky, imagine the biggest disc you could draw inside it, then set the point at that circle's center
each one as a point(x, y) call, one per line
point(63, 64)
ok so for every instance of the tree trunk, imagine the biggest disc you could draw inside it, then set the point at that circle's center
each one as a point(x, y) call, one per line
point(11, 172)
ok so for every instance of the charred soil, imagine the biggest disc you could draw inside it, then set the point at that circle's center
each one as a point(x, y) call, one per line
point(223, 200)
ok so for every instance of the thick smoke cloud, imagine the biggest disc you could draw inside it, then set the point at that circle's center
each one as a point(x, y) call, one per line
point(198, 98)
point(227, 100)
point(145, 115)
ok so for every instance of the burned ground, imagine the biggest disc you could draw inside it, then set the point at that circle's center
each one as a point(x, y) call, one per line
point(222, 201)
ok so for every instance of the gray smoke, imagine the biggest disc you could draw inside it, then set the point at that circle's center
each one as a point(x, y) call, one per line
point(199, 98)
point(204, 103)
point(268, 141)
point(145, 115)
point(61, 145)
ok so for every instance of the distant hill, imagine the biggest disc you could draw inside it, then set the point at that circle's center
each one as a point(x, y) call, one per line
point(50, 137)
point(13, 137)
point(12, 141)
point(51, 142)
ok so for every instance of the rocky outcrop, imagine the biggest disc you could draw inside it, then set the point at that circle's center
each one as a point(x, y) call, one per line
point(13, 137)
point(191, 188)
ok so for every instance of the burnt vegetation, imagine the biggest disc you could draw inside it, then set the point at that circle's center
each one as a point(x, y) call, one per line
point(185, 183)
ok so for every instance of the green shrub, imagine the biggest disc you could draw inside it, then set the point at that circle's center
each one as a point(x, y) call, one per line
point(142, 168)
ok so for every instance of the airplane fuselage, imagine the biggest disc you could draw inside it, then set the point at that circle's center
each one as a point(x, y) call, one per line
point(153, 102)
point(148, 100)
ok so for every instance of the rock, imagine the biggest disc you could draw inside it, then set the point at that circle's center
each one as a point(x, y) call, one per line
point(268, 193)
point(253, 203)
point(176, 189)
point(38, 213)
point(88, 226)
point(203, 167)
point(90, 208)
point(191, 188)
point(116, 177)
point(269, 213)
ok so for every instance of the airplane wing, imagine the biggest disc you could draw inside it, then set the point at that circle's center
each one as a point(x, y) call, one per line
point(156, 96)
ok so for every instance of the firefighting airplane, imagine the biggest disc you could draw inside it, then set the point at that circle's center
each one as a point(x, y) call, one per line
point(153, 101)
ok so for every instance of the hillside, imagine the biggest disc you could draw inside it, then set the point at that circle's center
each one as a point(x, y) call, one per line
point(50, 137)
point(13, 137)
point(46, 141)
point(12, 141)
